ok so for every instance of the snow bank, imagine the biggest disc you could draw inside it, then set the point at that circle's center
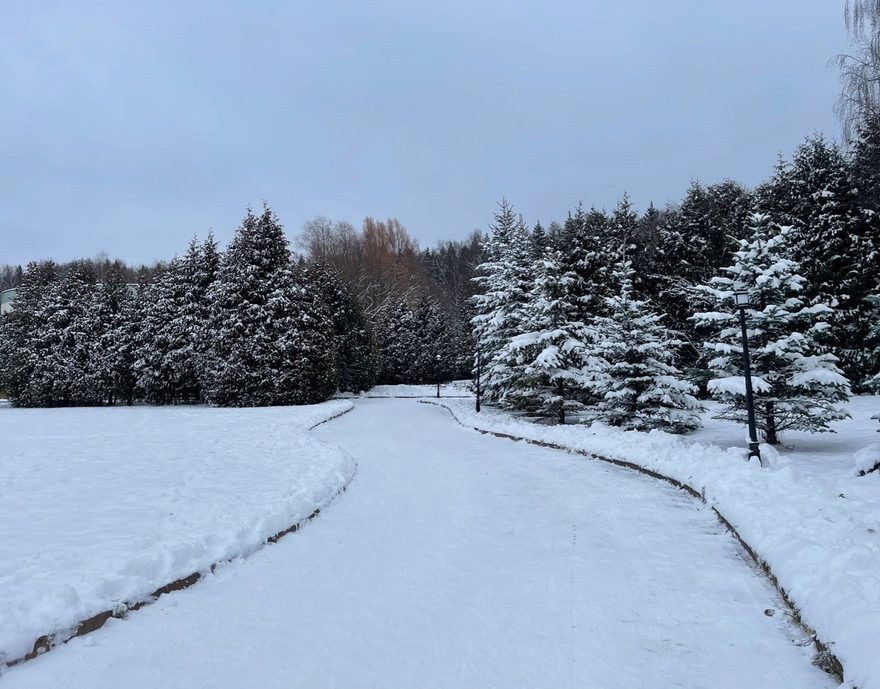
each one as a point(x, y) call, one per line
point(100, 507)
point(822, 544)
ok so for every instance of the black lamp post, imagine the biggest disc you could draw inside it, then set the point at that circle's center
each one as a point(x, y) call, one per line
point(479, 375)
point(742, 301)
point(437, 359)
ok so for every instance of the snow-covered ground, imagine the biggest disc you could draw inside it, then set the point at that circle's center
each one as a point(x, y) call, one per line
point(825, 456)
point(461, 560)
point(102, 506)
point(808, 516)
point(457, 388)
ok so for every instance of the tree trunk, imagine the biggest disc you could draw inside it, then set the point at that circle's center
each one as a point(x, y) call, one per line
point(770, 418)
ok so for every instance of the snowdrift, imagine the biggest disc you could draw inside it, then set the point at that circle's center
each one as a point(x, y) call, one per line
point(100, 507)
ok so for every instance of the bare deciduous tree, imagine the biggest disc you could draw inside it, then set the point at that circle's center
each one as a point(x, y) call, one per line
point(860, 68)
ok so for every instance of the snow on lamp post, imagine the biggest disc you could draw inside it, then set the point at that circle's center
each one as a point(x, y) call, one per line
point(742, 301)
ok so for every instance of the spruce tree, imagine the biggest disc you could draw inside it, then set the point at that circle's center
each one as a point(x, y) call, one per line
point(796, 385)
point(640, 389)
point(551, 364)
point(506, 277)
point(835, 237)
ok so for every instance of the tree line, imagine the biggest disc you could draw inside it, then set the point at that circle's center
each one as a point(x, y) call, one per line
point(629, 318)
point(252, 325)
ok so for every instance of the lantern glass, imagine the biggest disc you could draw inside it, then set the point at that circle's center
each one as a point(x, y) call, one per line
point(742, 298)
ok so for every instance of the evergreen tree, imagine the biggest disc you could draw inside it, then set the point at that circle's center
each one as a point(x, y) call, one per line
point(269, 343)
point(399, 345)
point(506, 277)
point(435, 356)
point(587, 257)
point(113, 310)
point(641, 388)
point(550, 361)
point(624, 225)
point(796, 386)
point(20, 347)
point(539, 241)
point(356, 356)
point(835, 238)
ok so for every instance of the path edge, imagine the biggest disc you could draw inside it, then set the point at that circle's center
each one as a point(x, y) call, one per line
point(47, 642)
point(824, 658)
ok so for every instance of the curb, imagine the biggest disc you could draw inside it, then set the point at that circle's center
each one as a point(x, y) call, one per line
point(824, 658)
point(47, 642)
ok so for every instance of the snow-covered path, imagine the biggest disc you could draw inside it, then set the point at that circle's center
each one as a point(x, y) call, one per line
point(461, 560)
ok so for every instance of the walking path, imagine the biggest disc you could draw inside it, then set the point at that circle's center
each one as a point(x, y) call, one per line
point(461, 560)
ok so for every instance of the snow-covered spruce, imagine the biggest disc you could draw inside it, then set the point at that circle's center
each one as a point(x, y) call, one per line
point(506, 277)
point(796, 386)
point(835, 238)
point(550, 366)
point(640, 388)
point(174, 338)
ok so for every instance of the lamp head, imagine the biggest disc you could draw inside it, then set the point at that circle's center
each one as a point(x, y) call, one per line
point(741, 297)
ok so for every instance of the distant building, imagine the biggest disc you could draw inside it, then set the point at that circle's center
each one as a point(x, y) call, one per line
point(6, 298)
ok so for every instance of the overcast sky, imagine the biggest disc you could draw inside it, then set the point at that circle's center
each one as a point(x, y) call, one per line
point(128, 129)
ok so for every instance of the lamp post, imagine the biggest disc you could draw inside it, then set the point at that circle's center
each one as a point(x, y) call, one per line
point(437, 359)
point(479, 375)
point(742, 301)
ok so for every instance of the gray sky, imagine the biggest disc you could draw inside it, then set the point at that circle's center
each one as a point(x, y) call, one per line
point(128, 129)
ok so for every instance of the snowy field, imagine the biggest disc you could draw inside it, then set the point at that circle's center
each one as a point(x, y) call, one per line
point(808, 516)
point(101, 506)
point(460, 560)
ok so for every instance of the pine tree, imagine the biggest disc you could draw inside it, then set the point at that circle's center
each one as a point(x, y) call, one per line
point(797, 387)
point(641, 389)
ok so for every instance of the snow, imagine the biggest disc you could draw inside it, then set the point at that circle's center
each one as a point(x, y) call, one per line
point(102, 506)
point(458, 388)
point(736, 385)
point(808, 516)
point(461, 560)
